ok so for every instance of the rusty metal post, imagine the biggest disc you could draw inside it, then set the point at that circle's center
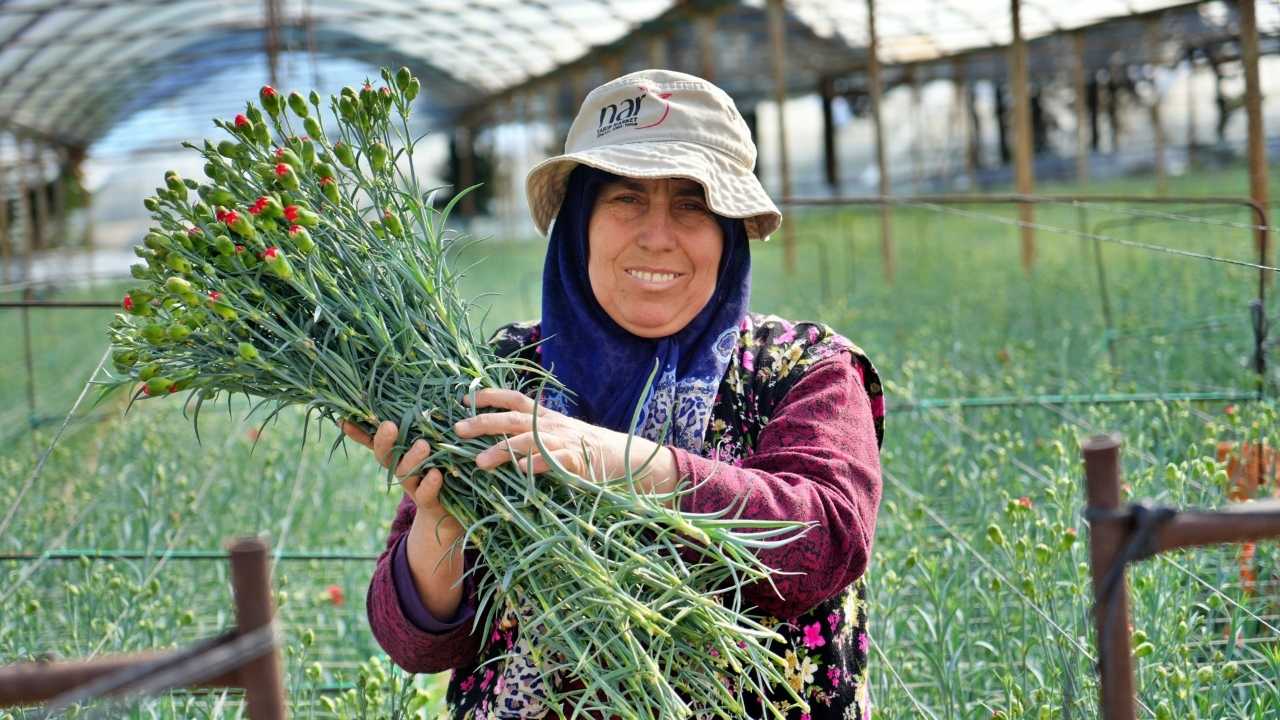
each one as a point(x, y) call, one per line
point(778, 59)
point(877, 123)
point(1258, 181)
point(1106, 543)
point(251, 584)
point(1023, 149)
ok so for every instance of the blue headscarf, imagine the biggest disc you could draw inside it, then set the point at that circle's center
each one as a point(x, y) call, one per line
point(604, 365)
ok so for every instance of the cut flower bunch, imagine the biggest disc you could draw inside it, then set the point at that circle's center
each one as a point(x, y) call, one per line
point(311, 269)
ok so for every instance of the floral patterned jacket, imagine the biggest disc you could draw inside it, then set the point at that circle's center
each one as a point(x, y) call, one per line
point(798, 421)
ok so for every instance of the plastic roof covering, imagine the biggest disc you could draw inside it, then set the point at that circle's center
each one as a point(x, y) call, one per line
point(71, 68)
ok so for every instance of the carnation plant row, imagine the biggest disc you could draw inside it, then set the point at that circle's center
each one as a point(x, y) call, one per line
point(979, 592)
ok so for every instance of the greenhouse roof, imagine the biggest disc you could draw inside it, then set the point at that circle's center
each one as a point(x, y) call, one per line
point(70, 69)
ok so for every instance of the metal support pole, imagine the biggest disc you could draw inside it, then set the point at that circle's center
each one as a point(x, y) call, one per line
point(6, 239)
point(706, 25)
point(1111, 613)
point(1258, 181)
point(831, 161)
point(961, 121)
point(272, 40)
point(1022, 140)
point(917, 130)
point(1157, 125)
point(778, 56)
point(1192, 122)
point(251, 583)
point(873, 81)
point(1079, 71)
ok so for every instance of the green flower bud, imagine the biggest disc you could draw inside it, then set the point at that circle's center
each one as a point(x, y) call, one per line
point(277, 263)
point(391, 222)
point(213, 172)
point(403, 77)
point(139, 271)
point(1043, 553)
point(156, 241)
point(313, 128)
point(301, 239)
point(174, 182)
point(177, 263)
point(262, 134)
point(412, 90)
point(149, 370)
point(378, 154)
point(224, 246)
point(228, 149)
point(345, 155)
point(314, 97)
point(290, 157)
point(159, 385)
point(247, 352)
point(124, 359)
point(155, 334)
point(221, 197)
point(347, 109)
point(330, 190)
point(298, 104)
point(179, 332)
point(151, 204)
point(995, 535)
point(308, 153)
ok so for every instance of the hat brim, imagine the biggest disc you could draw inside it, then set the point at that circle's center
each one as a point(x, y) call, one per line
point(731, 192)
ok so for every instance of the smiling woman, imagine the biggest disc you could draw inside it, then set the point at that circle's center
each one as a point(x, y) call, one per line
point(648, 268)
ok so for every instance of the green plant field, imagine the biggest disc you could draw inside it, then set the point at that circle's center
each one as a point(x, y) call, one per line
point(978, 585)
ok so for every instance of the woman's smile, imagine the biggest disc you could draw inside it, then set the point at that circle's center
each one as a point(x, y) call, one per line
point(651, 279)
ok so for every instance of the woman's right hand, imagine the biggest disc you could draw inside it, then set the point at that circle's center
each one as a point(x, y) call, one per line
point(435, 557)
point(424, 489)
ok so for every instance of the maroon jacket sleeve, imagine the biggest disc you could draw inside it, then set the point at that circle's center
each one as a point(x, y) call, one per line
point(816, 460)
point(427, 645)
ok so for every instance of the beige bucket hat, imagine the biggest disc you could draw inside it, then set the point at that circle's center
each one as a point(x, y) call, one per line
point(660, 123)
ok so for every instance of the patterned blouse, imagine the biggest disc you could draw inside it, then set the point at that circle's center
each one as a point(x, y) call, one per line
point(798, 421)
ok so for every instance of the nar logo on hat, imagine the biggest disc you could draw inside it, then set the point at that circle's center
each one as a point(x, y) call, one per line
point(627, 113)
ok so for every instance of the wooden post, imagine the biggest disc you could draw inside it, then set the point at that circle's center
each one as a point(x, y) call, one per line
point(6, 246)
point(1192, 140)
point(1106, 543)
point(917, 130)
point(1258, 181)
point(464, 140)
point(1079, 71)
point(706, 27)
point(961, 122)
point(251, 583)
point(877, 123)
point(658, 51)
point(1022, 147)
point(272, 40)
point(1157, 125)
point(777, 46)
point(831, 164)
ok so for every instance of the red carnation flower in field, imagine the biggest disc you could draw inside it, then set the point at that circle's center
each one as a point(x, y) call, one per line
point(291, 212)
point(335, 594)
point(271, 253)
point(242, 121)
point(1229, 410)
point(220, 214)
point(282, 169)
point(295, 229)
point(267, 91)
point(230, 217)
point(279, 152)
point(214, 295)
point(258, 206)
point(239, 249)
point(1025, 502)
point(128, 303)
point(192, 232)
point(326, 180)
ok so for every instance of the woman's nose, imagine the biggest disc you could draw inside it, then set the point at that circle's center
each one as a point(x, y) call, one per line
point(656, 231)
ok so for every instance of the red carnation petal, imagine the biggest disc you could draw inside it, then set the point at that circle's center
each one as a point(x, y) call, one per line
point(282, 169)
point(294, 229)
point(291, 212)
point(241, 121)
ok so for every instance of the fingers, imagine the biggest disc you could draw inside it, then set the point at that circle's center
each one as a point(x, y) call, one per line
point(521, 445)
point(426, 491)
point(384, 440)
point(565, 457)
point(502, 398)
point(413, 458)
point(356, 434)
point(498, 423)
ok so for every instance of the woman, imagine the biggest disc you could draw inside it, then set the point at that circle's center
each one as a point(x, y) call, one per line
point(654, 203)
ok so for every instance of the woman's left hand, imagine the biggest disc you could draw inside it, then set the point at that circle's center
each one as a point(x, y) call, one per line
point(564, 437)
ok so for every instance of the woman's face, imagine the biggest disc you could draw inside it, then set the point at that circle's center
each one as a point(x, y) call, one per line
point(654, 249)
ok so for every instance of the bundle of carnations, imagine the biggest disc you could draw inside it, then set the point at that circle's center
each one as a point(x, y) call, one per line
point(310, 269)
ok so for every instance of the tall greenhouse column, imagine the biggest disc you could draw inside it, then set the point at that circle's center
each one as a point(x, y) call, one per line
point(777, 45)
point(1258, 180)
point(1024, 173)
point(1079, 70)
point(1155, 58)
point(706, 25)
point(831, 160)
point(6, 241)
point(1192, 121)
point(917, 129)
point(40, 239)
point(963, 127)
point(877, 124)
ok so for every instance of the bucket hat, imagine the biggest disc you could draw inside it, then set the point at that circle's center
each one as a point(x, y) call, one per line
point(655, 124)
